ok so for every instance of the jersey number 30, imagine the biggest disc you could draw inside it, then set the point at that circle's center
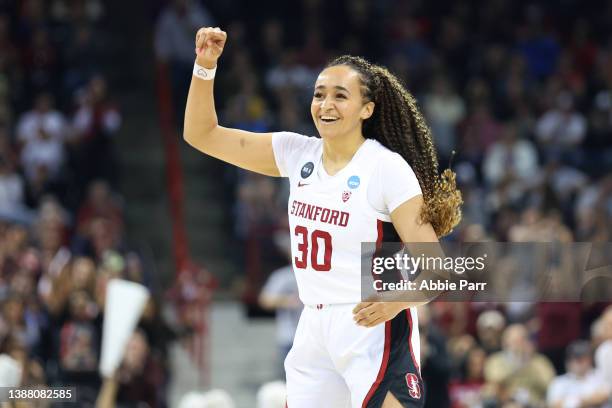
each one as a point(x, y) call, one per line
point(316, 238)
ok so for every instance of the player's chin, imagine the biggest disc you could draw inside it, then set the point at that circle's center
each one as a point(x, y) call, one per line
point(327, 133)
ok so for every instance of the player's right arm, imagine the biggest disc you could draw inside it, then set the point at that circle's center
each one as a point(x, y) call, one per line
point(248, 150)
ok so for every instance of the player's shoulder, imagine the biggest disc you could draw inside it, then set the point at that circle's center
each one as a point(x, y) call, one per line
point(295, 139)
point(384, 156)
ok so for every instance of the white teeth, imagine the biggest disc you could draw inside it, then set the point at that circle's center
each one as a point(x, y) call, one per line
point(328, 118)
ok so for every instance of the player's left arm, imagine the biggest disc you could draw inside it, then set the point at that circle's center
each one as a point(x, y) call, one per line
point(407, 222)
point(406, 219)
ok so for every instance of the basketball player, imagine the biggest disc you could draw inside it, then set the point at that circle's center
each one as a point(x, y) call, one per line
point(344, 187)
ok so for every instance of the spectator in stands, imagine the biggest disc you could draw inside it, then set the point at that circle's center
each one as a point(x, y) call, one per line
point(603, 354)
point(95, 122)
point(41, 134)
point(10, 371)
point(258, 218)
point(174, 43)
point(565, 182)
point(51, 227)
point(77, 10)
point(290, 116)
point(8, 49)
point(465, 391)
point(212, 399)
point(160, 336)
point(490, 326)
point(518, 373)
point(538, 45)
point(272, 395)
point(79, 340)
point(435, 362)
point(14, 323)
point(101, 237)
point(32, 373)
point(44, 119)
point(444, 109)
point(139, 375)
point(599, 133)
point(13, 240)
point(12, 193)
point(248, 110)
point(136, 380)
point(173, 40)
point(101, 202)
point(272, 40)
point(510, 164)
point(559, 326)
point(479, 131)
point(83, 43)
point(81, 55)
point(280, 294)
point(581, 386)
point(511, 158)
point(290, 74)
point(41, 61)
point(407, 39)
point(561, 130)
point(83, 275)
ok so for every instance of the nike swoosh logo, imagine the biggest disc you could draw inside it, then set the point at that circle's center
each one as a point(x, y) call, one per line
point(300, 184)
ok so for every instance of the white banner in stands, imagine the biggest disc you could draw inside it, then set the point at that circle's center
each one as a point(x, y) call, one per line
point(125, 302)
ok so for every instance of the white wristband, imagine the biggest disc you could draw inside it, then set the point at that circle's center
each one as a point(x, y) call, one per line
point(203, 73)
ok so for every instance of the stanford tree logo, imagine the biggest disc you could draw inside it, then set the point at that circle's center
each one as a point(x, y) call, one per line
point(414, 388)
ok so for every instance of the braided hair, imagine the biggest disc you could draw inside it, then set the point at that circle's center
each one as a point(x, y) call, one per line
point(398, 125)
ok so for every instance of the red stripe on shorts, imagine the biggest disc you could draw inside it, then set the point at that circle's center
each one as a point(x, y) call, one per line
point(409, 316)
point(383, 365)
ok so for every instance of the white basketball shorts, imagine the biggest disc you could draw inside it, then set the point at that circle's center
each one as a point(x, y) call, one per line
point(334, 363)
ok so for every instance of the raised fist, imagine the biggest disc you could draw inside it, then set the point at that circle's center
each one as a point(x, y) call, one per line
point(209, 43)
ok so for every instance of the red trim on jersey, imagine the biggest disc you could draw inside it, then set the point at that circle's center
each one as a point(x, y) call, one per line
point(379, 240)
point(383, 365)
point(409, 316)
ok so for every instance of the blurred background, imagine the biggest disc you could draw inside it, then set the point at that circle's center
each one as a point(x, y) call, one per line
point(96, 183)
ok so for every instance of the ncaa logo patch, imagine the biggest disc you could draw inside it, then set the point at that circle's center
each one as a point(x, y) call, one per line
point(307, 169)
point(353, 182)
point(414, 388)
point(346, 195)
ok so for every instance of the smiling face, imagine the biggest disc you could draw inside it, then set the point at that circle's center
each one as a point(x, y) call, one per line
point(338, 107)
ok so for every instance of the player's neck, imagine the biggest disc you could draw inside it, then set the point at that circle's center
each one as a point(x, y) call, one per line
point(338, 152)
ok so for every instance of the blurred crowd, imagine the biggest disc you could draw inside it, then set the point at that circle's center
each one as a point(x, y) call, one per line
point(476, 355)
point(521, 91)
point(62, 234)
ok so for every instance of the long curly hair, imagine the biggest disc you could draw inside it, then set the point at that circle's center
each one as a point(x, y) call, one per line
point(398, 124)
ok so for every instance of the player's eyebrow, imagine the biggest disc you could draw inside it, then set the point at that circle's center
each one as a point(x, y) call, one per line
point(338, 87)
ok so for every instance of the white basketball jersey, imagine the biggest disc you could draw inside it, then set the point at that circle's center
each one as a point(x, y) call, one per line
point(330, 217)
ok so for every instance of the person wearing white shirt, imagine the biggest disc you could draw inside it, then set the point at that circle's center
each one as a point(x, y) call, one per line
point(581, 386)
point(280, 293)
point(42, 132)
point(603, 354)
